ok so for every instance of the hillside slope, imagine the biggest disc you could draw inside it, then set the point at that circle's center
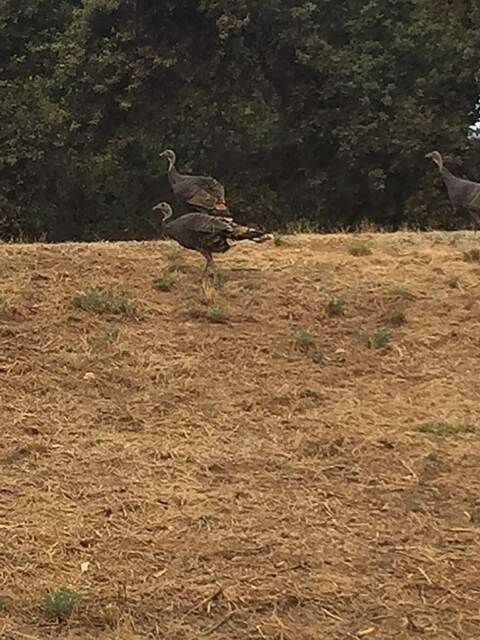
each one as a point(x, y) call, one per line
point(268, 476)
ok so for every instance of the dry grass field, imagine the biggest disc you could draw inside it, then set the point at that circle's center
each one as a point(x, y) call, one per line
point(293, 453)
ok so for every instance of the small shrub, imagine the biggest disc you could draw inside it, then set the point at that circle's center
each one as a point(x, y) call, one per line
point(216, 315)
point(378, 338)
point(472, 255)
point(395, 317)
point(359, 248)
point(165, 281)
point(3, 604)
point(101, 301)
point(334, 307)
point(60, 603)
point(453, 282)
point(305, 342)
point(444, 429)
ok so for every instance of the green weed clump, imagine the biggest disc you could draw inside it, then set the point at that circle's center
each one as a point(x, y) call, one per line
point(305, 342)
point(165, 281)
point(216, 315)
point(378, 338)
point(60, 603)
point(334, 307)
point(105, 302)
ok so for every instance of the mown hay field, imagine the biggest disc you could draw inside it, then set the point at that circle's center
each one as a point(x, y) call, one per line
point(290, 454)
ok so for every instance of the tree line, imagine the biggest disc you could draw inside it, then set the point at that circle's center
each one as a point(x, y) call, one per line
point(312, 112)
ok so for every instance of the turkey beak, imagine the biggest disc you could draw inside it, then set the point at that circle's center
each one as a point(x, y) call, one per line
point(428, 155)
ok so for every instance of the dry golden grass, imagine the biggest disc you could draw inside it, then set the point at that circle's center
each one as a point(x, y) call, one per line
point(192, 479)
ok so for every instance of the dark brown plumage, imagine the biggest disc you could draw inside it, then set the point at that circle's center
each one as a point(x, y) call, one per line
point(197, 192)
point(205, 233)
point(463, 194)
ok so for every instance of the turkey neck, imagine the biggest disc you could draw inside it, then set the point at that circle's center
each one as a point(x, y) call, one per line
point(447, 176)
point(166, 227)
point(173, 175)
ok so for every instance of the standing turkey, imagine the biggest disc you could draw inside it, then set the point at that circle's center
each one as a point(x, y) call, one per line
point(463, 194)
point(205, 233)
point(197, 192)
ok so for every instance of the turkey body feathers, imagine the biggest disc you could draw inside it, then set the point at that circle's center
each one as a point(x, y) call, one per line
point(202, 192)
point(206, 233)
point(200, 232)
point(462, 193)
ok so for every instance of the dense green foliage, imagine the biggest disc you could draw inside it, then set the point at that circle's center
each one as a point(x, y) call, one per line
point(319, 110)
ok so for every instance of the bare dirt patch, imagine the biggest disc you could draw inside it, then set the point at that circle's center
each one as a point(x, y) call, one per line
point(192, 478)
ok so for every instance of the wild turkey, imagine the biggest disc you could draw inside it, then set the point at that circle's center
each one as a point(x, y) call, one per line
point(197, 192)
point(463, 194)
point(205, 233)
